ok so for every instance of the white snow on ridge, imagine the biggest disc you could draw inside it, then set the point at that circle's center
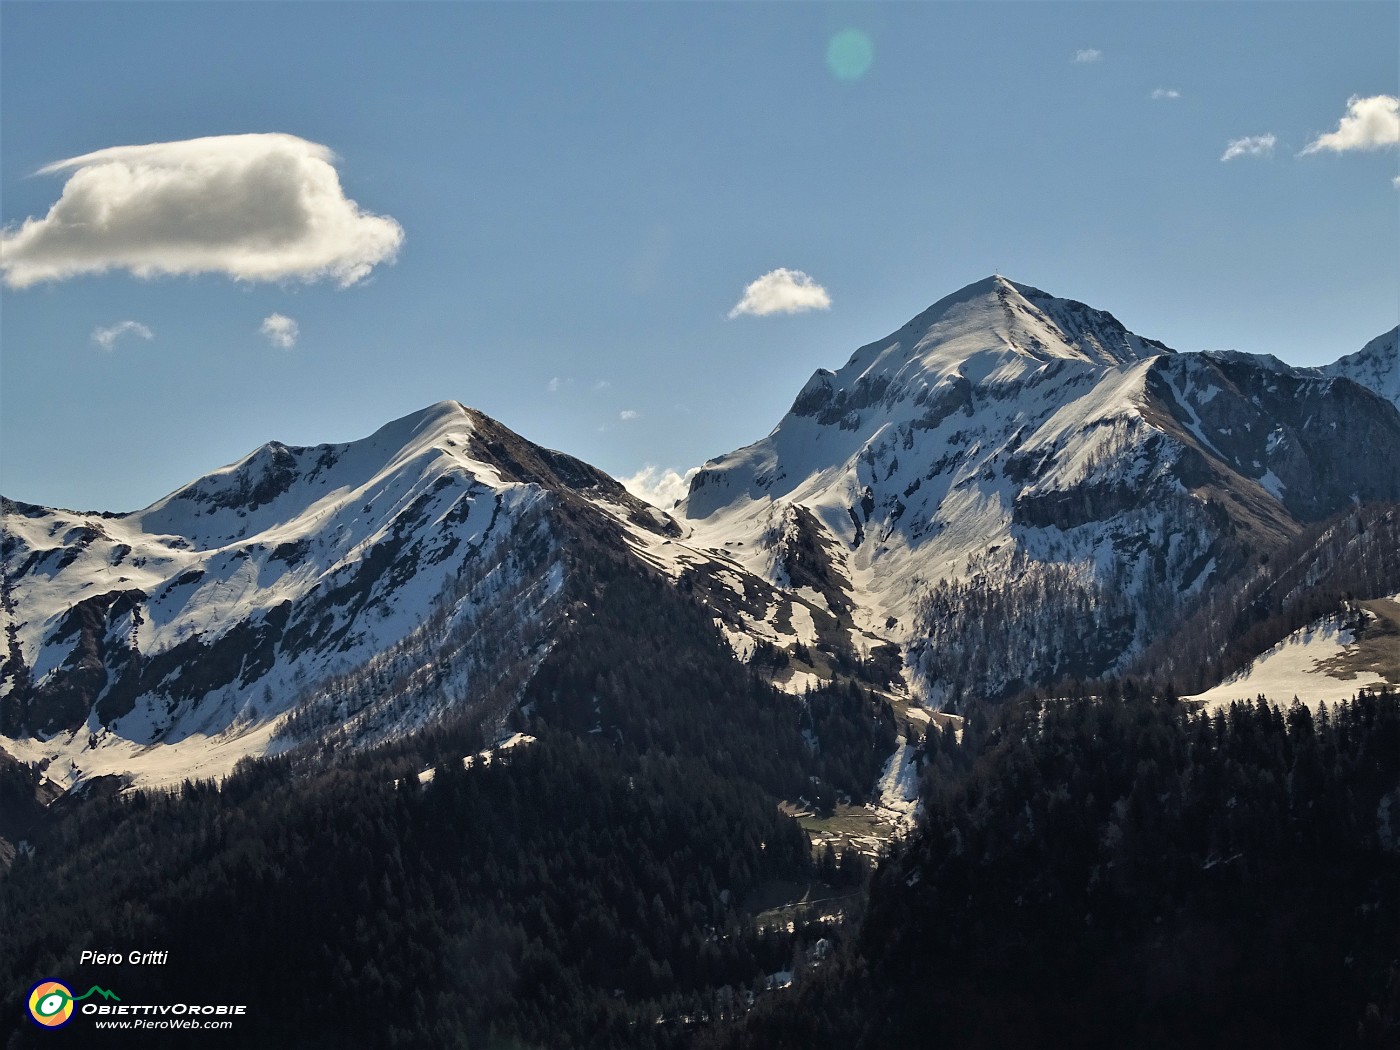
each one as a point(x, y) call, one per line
point(675, 557)
point(913, 480)
point(338, 513)
point(1292, 668)
point(1005, 439)
point(1375, 366)
point(359, 540)
point(1001, 438)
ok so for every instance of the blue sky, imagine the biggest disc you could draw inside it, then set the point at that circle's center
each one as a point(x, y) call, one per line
point(584, 192)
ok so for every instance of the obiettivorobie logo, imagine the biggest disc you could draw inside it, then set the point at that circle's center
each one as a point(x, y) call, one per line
point(51, 1002)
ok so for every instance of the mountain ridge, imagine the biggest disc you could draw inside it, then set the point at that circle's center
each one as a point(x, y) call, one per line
point(1010, 489)
point(1005, 432)
point(248, 592)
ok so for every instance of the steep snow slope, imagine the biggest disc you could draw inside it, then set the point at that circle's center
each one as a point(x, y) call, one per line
point(366, 586)
point(915, 419)
point(1015, 488)
point(1376, 366)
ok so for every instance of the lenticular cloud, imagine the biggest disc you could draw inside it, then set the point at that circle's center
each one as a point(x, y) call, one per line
point(256, 207)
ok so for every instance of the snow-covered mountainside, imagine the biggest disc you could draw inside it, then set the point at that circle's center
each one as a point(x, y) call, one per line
point(1011, 489)
point(1014, 488)
point(1376, 366)
point(1324, 662)
point(354, 590)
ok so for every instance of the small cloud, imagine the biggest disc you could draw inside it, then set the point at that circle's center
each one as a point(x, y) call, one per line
point(1250, 146)
point(281, 331)
point(107, 337)
point(1165, 93)
point(262, 207)
point(782, 291)
point(1087, 54)
point(1369, 123)
point(601, 384)
point(554, 384)
point(627, 415)
point(1396, 182)
point(661, 487)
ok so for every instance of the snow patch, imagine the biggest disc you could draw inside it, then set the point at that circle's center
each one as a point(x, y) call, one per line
point(897, 792)
point(484, 757)
point(1292, 668)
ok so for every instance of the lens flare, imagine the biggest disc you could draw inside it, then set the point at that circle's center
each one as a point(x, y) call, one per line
point(850, 54)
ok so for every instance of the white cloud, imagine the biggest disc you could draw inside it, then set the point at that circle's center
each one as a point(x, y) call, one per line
point(107, 337)
point(1166, 93)
point(554, 385)
point(256, 207)
point(782, 291)
point(627, 415)
point(1369, 123)
point(1088, 54)
point(281, 331)
point(1250, 146)
point(1396, 182)
point(601, 384)
point(661, 487)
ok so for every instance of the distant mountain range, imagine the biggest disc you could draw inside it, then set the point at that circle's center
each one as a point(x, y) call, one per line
point(1009, 491)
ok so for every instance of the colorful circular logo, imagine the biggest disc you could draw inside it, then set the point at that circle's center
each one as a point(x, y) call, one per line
point(51, 1004)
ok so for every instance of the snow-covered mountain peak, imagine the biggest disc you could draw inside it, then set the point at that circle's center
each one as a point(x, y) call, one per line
point(992, 330)
point(988, 344)
point(274, 484)
point(445, 423)
point(1376, 366)
point(1011, 448)
point(269, 585)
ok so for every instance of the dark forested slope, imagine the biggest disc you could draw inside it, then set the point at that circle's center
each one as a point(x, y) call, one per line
point(1124, 873)
point(568, 894)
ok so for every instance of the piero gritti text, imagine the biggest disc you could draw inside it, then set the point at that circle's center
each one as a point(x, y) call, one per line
point(132, 958)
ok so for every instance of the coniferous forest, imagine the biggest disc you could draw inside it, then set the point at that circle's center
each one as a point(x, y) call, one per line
point(1122, 872)
point(1111, 869)
point(1113, 872)
point(591, 889)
